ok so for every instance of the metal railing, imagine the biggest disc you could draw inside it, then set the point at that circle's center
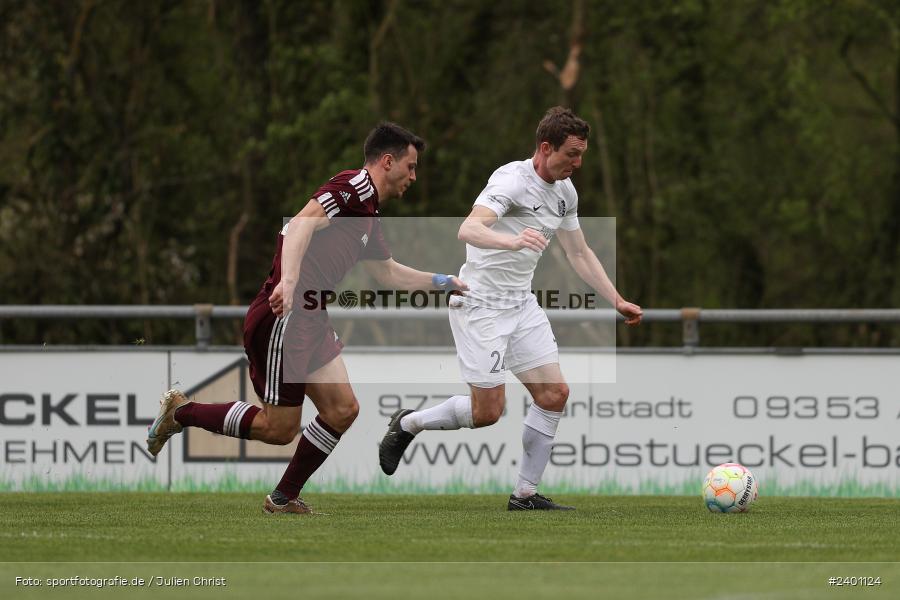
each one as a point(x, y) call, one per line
point(690, 317)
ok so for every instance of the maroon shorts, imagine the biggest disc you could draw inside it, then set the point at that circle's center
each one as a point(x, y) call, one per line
point(282, 351)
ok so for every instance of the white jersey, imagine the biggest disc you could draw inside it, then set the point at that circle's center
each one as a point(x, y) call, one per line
point(502, 278)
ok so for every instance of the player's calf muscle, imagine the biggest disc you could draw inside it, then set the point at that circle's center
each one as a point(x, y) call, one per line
point(274, 430)
point(487, 407)
point(487, 416)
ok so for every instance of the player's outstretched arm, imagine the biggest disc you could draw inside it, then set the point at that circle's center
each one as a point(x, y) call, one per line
point(588, 267)
point(476, 230)
point(300, 230)
point(392, 274)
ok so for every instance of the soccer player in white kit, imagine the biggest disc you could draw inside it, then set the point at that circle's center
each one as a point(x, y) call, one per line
point(499, 325)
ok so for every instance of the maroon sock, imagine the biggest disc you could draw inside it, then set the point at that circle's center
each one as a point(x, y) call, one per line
point(316, 443)
point(232, 419)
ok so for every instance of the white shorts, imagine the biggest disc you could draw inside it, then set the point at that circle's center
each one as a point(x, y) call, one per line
point(492, 341)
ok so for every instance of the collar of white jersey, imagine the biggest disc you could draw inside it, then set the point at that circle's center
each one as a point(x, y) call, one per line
point(532, 172)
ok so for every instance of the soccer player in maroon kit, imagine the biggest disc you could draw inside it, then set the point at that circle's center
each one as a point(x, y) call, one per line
point(290, 343)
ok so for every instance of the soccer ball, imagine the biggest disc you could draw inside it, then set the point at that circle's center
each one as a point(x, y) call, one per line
point(729, 488)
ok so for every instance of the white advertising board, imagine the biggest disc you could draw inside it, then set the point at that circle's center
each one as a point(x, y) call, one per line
point(811, 425)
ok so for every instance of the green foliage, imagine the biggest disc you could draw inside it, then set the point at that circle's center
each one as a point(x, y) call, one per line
point(749, 150)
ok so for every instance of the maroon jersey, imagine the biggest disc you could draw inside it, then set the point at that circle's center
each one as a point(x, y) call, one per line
point(354, 233)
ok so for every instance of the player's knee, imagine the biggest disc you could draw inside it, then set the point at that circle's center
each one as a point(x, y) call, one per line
point(342, 417)
point(350, 412)
point(554, 398)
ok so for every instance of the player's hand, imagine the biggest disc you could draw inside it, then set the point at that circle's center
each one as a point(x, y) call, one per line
point(458, 285)
point(531, 239)
point(280, 303)
point(632, 312)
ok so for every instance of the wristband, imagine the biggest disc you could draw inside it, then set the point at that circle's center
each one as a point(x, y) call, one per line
point(442, 282)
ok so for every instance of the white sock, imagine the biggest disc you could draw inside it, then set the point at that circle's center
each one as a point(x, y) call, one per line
point(453, 413)
point(537, 442)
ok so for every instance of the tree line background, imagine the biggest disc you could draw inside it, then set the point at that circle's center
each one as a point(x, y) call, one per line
point(749, 150)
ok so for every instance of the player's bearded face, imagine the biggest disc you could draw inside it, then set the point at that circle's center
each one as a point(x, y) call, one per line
point(563, 161)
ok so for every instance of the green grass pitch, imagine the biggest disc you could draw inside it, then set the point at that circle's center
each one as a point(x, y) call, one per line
point(448, 546)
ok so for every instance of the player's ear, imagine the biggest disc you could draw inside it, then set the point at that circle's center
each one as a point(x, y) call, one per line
point(387, 161)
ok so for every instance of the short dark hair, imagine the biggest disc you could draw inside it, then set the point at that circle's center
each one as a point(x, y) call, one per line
point(558, 124)
point(390, 138)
